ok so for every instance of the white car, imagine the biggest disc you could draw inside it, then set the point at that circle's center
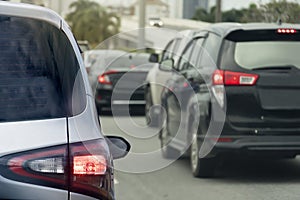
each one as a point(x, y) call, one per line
point(51, 143)
point(156, 21)
point(157, 77)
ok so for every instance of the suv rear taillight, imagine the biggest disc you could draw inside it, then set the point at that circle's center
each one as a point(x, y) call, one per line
point(82, 167)
point(222, 77)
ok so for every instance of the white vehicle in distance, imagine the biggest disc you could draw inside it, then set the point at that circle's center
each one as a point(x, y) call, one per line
point(156, 21)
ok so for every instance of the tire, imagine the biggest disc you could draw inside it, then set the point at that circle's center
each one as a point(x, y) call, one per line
point(201, 167)
point(152, 120)
point(167, 151)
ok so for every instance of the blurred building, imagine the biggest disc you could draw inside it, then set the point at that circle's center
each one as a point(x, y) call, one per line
point(154, 8)
point(186, 8)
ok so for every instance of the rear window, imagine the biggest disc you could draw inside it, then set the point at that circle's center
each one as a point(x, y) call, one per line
point(260, 49)
point(252, 55)
point(38, 70)
point(131, 61)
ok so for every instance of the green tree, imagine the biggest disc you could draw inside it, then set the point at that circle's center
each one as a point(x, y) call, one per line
point(232, 15)
point(90, 21)
point(202, 15)
point(288, 12)
point(252, 14)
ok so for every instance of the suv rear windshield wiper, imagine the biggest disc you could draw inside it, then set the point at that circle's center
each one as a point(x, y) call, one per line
point(283, 67)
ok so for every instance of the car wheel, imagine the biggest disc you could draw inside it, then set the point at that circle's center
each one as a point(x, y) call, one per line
point(152, 120)
point(201, 167)
point(165, 138)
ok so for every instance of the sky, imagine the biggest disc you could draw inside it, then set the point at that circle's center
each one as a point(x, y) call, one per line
point(227, 4)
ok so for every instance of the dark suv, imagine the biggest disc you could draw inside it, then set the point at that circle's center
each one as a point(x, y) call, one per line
point(235, 89)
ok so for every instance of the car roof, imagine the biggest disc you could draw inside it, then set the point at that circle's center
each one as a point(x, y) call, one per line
point(30, 11)
point(223, 29)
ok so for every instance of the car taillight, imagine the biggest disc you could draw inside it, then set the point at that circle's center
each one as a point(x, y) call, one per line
point(222, 139)
point(89, 165)
point(104, 78)
point(286, 31)
point(82, 167)
point(221, 77)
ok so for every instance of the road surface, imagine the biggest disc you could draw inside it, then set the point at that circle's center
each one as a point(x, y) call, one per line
point(236, 179)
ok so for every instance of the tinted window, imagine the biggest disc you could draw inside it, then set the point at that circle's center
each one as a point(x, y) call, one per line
point(267, 54)
point(184, 62)
point(101, 59)
point(212, 45)
point(167, 54)
point(209, 56)
point(176, 46)
point(257, 49)
point(130, 61)
point(197, 51)
point(38, 70)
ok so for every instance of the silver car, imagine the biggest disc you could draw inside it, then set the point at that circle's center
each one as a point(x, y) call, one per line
point(51, 144)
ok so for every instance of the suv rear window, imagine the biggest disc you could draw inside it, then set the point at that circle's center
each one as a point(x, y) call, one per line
point(38, 69)
point(260, 49)
point(128, 62)
point(253, 55)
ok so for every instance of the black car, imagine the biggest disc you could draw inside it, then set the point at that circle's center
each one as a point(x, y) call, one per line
point(234, 92)
point(121, 86)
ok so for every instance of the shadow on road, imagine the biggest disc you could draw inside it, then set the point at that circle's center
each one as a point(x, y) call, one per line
point(255, 170)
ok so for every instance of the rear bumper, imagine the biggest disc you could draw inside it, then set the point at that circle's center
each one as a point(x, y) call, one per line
point(104, 98)
point(275, 146)
point(16, 190)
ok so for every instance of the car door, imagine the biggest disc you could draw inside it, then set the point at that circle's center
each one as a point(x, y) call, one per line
point(161, 76)
point(176, 97)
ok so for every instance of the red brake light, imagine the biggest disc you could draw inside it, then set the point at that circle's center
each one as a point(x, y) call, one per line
point(89, 165)
point(104, 78)
point(221, 77)
point(218, 77)
point(225, 139)
point(286, 31)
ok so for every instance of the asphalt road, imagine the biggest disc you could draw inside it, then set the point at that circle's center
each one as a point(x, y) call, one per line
point(240, 179)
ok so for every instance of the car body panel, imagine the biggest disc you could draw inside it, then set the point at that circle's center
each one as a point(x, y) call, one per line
point(30, 11)
point(18, 191)
point(12, 135)
point(82, 127)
